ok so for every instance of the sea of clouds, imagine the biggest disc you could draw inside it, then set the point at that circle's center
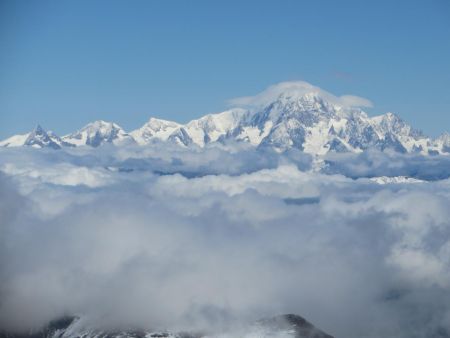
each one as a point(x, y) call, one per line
point(173, 238)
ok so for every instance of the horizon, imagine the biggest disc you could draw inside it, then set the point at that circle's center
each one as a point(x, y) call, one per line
point(65, 65)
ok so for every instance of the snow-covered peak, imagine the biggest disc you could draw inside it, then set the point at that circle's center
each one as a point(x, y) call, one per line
point(310, 106)
point(97, 133)
point(100, 126)
point(37, 138)
point(389, 121)
point(41, 139)
point(212, 127)
point(393, 124)
point(154, 129)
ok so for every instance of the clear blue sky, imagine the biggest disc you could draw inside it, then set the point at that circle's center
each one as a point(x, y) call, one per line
point(64, 63)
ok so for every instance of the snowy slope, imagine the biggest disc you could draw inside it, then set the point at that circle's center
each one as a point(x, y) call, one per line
point(15, 141)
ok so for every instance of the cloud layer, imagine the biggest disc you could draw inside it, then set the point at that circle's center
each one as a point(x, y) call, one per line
point(175, 239)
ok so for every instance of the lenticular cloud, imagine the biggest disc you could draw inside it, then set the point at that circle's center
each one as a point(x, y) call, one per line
point(177, 240)
point(298, 88)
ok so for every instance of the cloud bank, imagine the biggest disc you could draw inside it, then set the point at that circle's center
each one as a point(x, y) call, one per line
point(166, 239)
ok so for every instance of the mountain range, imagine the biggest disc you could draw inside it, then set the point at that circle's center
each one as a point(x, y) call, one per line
point(307, 121)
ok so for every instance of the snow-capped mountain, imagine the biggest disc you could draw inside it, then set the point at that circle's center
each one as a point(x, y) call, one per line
point(97, 133)
point(310, 120)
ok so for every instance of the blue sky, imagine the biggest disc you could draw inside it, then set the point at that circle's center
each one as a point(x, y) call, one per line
point(66, 63)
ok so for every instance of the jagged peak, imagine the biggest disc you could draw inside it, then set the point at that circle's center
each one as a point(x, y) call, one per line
point(38, 131)
point(40, 138)
point(393, 123)
point(389, 119)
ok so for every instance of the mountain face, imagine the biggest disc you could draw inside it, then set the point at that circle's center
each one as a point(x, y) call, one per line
point(306, 121)
point(280, 326)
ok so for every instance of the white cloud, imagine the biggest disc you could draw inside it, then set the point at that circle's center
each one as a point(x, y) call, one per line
point(298, 88)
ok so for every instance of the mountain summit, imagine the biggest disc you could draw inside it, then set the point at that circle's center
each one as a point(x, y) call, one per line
point(97, 133)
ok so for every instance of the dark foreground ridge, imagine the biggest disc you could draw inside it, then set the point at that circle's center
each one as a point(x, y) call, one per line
point(291, 324)
point(295, 323)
